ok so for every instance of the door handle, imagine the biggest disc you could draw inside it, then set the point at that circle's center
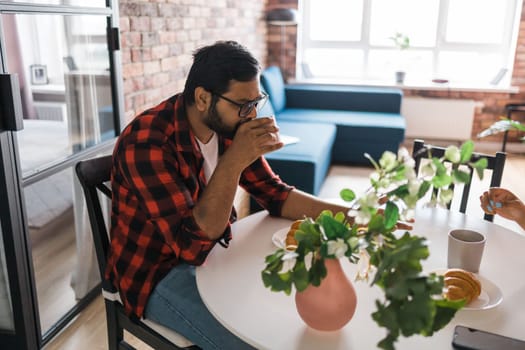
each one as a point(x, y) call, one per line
point(11, 118)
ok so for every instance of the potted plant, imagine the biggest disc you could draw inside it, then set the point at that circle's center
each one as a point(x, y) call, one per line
point(502, 125)
point(413, 302)
point(402, 42)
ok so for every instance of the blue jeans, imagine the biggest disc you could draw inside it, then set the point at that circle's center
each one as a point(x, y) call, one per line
point(175, 303)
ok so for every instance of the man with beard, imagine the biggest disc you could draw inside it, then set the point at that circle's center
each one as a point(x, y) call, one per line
point(176, 168)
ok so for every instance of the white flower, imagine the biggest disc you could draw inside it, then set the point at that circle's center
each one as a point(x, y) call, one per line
point(308, 260)
point(383, 183)
point(406, 158)
point(453, 154)
point(428, 170)
point(361, 217)
point(369, 200)
point(402, 153)
point(413, 187)
point(363, 265)
point(410, 173)
point(289, 258)
point(337, 248)
point(388, 161)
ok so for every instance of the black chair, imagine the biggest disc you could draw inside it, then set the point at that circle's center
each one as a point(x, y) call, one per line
point(495, 163)
point(93, 175)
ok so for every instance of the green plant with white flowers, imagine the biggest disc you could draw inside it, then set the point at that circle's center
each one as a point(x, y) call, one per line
point(413, 302)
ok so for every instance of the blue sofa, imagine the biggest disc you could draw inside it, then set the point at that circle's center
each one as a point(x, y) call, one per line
point(367, 119)
point(334, 124)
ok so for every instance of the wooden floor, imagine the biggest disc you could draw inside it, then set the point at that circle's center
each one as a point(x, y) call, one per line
point(54, 255)
point(88, 330)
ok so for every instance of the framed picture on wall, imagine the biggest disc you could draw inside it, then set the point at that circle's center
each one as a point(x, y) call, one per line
point(38, 74)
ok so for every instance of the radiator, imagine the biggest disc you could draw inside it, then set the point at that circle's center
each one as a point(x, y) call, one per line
point(50, 111)
point(438, 118)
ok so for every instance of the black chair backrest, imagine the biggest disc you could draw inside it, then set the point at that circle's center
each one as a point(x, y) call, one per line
point(93, 175)
point(495, 163)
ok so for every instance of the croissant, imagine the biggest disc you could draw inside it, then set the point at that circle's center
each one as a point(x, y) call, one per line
point(461, 284)
point(291, 242)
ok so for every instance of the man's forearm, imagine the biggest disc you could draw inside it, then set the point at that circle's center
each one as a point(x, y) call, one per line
point(212, 211)
point(300, 204)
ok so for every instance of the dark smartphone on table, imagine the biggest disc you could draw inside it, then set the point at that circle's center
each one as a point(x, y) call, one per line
point(474, 339)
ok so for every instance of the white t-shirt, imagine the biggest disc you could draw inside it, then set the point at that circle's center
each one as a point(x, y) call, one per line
point(210, 152)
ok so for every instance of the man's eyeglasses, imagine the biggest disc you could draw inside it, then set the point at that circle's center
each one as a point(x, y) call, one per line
point(245, 109)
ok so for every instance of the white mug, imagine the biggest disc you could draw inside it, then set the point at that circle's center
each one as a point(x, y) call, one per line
point(275, 135)
point(465, 249)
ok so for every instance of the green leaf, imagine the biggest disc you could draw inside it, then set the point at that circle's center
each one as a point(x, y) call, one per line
point(340, 217)
point(517, 125)
point(385, 316)
point(400, 191)
point(441, 169)
point(347, 195)
point(423, 189)
point(460, 176)
point(376, 223)
point(278, 282)
point(300, 276)
point(443, 180)
point(416, 315)
point(466, 151)
point(480, 167)
point(445, 311)
point(317, 272)
point(332, 228)
point(391, 215)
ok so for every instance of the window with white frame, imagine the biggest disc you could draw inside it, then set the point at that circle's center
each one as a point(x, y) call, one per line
point(467, 42)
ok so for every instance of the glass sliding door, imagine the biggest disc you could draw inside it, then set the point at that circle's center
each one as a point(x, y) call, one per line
point(66, 65)
point(63, 65)
point(7, 322)
point(19, 325)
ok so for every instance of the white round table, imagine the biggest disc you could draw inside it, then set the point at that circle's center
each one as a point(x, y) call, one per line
point(231, 286)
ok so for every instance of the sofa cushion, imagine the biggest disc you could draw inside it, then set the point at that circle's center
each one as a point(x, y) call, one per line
point(351, 98)
point(306, 163)
point(357, 120)
point(273, 83)
point(357, 132)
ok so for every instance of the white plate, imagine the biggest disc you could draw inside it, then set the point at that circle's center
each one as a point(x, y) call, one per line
point(288, 140)
point(279, 237)
point(491, 296)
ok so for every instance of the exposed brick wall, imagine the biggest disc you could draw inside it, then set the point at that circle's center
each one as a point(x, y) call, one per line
point(158, 38)
point(279, 54)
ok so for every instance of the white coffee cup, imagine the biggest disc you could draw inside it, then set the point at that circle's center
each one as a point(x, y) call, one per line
point(275, 135)
point(465, 249)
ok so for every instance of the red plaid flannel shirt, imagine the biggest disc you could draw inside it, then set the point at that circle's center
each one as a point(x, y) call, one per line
point(157, 177)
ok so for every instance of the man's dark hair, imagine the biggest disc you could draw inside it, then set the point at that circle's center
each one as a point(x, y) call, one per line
point(214, 66)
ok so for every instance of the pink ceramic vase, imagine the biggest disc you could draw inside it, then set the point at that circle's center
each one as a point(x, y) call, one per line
point(331, 305)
